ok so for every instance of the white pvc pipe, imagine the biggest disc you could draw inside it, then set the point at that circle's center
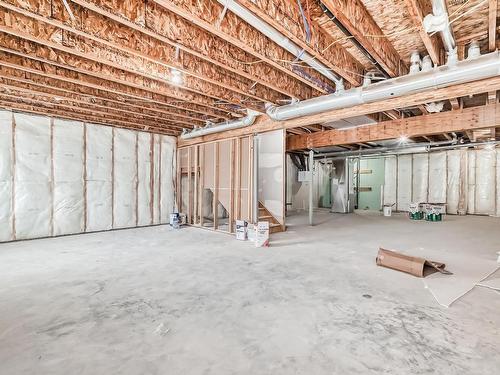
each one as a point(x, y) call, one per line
point(279, 39)
point(483, 67)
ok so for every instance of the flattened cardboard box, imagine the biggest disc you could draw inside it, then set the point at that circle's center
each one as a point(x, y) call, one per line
point(419, 267)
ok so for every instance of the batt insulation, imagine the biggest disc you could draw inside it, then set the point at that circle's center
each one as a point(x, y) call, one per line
point(144, 201)
point(453, 182)
point(390, 180)
point(99, 156)
point(420, 177)
point(156, 179)
point(124, 178)
point(485, 182)
point(167, 182)
point(404, 181)
point(32, 185)
point(68, 167)
point(6, 157)
point(437, 177)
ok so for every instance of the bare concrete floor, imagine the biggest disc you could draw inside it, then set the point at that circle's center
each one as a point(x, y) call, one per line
point(158, 301)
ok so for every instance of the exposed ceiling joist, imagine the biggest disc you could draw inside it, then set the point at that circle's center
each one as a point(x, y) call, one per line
point(492, 25)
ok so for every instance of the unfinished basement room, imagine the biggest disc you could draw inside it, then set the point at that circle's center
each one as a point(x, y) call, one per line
point(249, 187)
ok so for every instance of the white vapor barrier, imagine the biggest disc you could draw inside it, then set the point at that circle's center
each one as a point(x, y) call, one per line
point(271, 172)
point(68, 187)
point(390, 180)
point(144, 214)
point(453, 188)
point(99, 177)
point(420, 177)
point(124, 178)
point(471, 182)
point(485, 182)
point(6, 157)
point(498, 183)
point(404, 182)
point(167, 182)
point(156, 179)
point(437, 177)
point(32, 192)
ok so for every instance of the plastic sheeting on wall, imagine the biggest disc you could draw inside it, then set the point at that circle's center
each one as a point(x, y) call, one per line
point(271, 172)
point(404, 183)
point(167, 181)
point(485, 182)
point(390, 180)
point(453, 189)
point(124, 178)
point(420, 177)
point(156, 179)
point(68, 169)
point(6, 157)
point(498, 183)
point(471, 182)
point(32, 186)
point(144, 202)
point(99, 160)
point(437, 177)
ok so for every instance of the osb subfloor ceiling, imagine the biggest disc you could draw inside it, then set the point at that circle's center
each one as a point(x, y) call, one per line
point(165, 65)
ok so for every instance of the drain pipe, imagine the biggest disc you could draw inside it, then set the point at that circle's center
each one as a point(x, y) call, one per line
point(281, 40)
point(483, 67)
point(438, 21)
point(248, 120)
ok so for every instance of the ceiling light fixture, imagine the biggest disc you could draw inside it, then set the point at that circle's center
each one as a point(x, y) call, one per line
point(176, 77)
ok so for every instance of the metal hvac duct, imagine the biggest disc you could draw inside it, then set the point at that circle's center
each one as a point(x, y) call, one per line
point(281, 40)
point(223, 126)
point(486, 66)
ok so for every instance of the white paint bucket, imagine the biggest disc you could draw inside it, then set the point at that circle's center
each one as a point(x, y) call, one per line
point(387, 210)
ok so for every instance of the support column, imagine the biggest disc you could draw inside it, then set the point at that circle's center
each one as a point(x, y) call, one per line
point(311, 167)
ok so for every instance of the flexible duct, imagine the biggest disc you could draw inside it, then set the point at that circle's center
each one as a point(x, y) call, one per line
point(486, 66)
point(280, 39)
point(220, 127)
point(438, 21)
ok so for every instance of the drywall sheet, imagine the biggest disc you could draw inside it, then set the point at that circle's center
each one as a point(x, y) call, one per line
point(167, 182)
point(99, 171)
point(124, 178)
point(68, 169)
point(156, 179)
point(471, 182)
point(144, 202)
point(32, 192)
point(404, 172)
point(6, 158)
point(420, 177)
point(271, 172)
point(437, 177)
point(390, 180)
point(485, 182)
point(453, 189)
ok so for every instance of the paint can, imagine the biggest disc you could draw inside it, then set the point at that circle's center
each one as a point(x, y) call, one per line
point(388, 210)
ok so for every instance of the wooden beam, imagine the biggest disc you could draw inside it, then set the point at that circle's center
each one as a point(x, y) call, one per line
point(154, 23)
point(492, 25)
point(418, 9)
point(444, 122)
point(492, 97)
point(286, 18)
point(455, 103)
point(157, 56)
point(355, 17)
point(264, 124)
point(207, 15)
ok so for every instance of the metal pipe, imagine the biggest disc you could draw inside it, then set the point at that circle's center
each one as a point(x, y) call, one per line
point(223, 126)
point(311, 168)
point(486, 66)
point(255, 197)
point(280, 39)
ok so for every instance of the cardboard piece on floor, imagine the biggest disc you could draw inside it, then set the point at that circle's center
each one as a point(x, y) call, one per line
point(419, 267)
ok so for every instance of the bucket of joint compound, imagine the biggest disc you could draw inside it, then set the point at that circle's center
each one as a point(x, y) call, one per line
point(388, 209)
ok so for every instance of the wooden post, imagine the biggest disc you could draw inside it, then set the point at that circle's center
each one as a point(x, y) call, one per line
point(231, 183)
point(202, 183)
point(196, 185)
point(237, 210)
point(189, 192)
point(215, 203)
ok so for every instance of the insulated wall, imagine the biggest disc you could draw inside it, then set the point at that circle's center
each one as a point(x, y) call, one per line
point(61, 177)
point(467, 181)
